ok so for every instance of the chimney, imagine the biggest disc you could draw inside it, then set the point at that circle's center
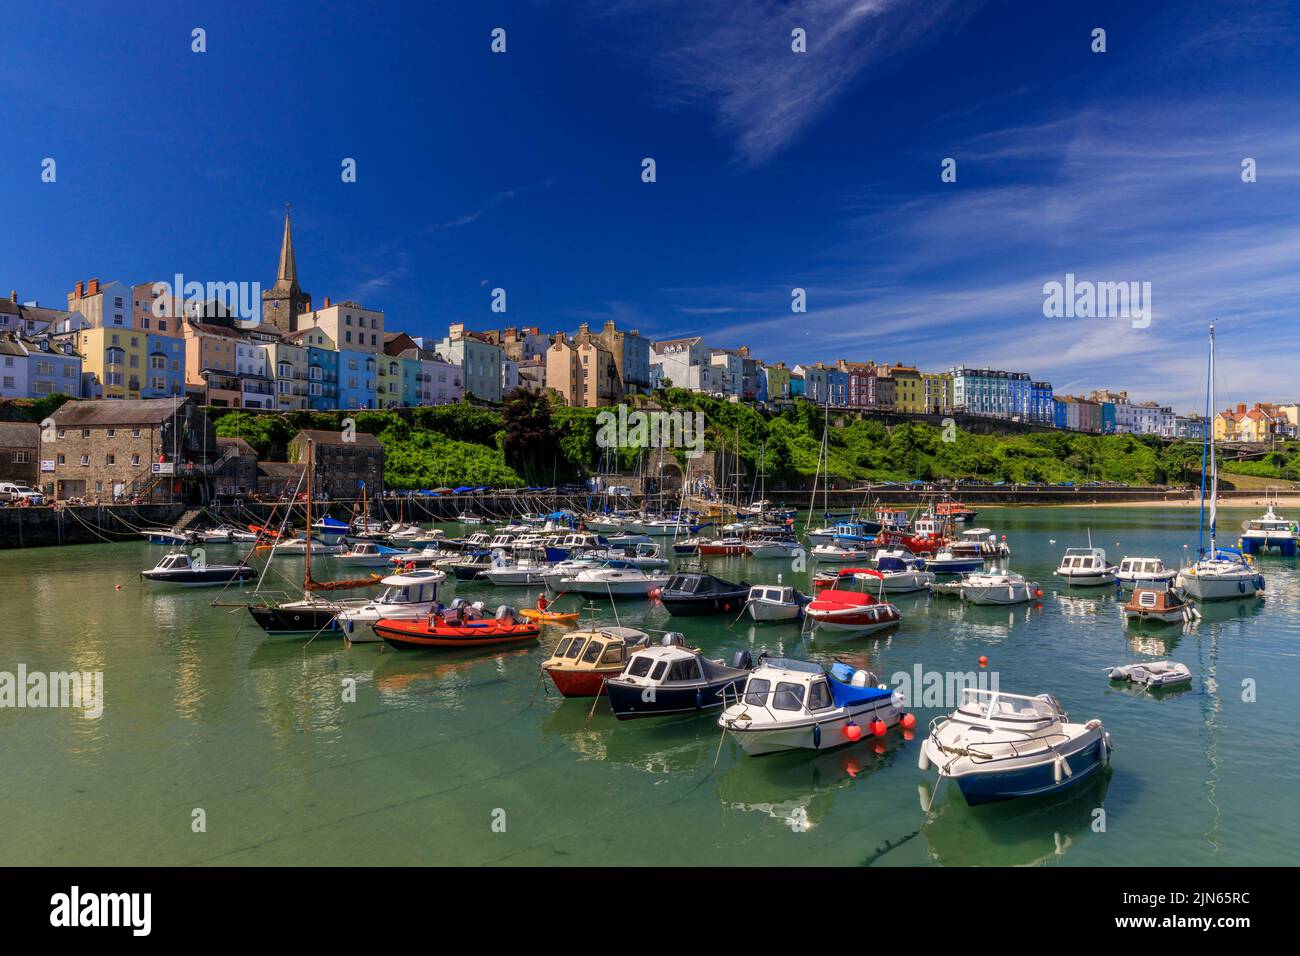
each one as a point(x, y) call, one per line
point(13, 296)
point(1241, 408)
point(81, 289)
point(93, 288)
point(327, 302)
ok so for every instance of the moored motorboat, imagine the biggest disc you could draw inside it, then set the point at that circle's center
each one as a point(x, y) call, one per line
point(582, 660)
point(901, 577)
point(775, 602)
point(1160, 605)
point(998, 587)
point(457, 627)
point(999, 746)
point(948, 561)
point(330, 530)
point(847, 606)
point(672, 679)
point(1086, 567)
point(1269, 534)
point(406, 597)
point(695, 593)
point(178, 569)
point(1154, 675)
point(842, 551)
point(797, 705)
point(613, 579)
point(369, 554)
point(1138, 572)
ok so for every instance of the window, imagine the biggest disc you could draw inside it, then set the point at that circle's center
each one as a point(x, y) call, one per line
point(684, 670)
point(85, 433)
point(788, 696)
point(135, 433)
point(639, 667)
point(658, 672)
point(110, 459)
point(819, 696)
point(85, 461)
point(62, 460)
point(592, 653)
point(135, 460)
point(22, 457)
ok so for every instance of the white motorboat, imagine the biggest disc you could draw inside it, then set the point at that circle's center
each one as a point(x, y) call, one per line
point(1144, 572)
point(998, 587)
point(368, 554)
point(406, 597)
point(782, 548)
point(1154, 675)
point(516, 572)
point(429, 556)
point(330, 530)
point(901, 577)
point(797, 705)
point(1220, 573)
point(294, 546)
point(668, 528)
point(177, 568)
point(469, 517)
point(568, 568)
point(774, 602)
point(839, 553)
point(1086, 567)
point(998, 746)
point(615, 580)
point(949, 562)
point(222, 534)
point(1271, 533)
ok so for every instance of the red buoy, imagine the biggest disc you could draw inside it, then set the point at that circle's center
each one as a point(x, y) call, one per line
point(1038, 593)
point(909, 721)
point(852, 731)
point(984, 661)
point(878, 727)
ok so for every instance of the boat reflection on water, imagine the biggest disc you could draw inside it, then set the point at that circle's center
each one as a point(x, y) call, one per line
point(442, 681)
point(1218, 611)
point(1076, 606)
point(1035, 831)
point(669, 745)
point(798, 787)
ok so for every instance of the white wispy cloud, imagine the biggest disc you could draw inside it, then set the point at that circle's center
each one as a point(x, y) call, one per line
point(735, 57)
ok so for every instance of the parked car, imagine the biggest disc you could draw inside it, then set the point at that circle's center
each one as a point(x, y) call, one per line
point(11, 492)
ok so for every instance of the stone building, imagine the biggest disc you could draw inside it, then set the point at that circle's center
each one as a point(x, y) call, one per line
point(237, 475)
point(156, 450)
point(342, 465)
point(19, 452)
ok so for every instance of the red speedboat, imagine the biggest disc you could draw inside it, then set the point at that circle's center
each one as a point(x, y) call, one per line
point(442, 633)
point(846, 605)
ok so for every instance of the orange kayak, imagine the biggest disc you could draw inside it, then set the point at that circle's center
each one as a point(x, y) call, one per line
point(548, 617)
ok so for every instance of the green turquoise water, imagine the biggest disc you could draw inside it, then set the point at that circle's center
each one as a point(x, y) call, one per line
point(453, 760)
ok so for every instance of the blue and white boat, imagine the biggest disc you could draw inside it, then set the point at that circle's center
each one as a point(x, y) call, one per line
point(330, 530)
point(999, 746)
point(797, 705)
point(1271, 533)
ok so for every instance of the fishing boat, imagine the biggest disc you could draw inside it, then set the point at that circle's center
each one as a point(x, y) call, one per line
point(1086, 567)
point(614, 579)
point(955, 511)
point(177, 568)
point(980, 542)
point(456, 628)
point(775, 602)
point(1144, 572)
point(406, 597)
point(582, 660)
point(1219, 573)
point(370, 554)
point(1154, 675)
point(696, 593)
point(1269, 534)
point(998, 587)
point(847, 605)
point(797, 705)
point(901, 577)
point(672, 679)
point(1159, 605)
point(1000, 746)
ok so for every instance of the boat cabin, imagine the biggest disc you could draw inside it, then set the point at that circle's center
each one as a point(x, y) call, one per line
point(176, 561)
point(418, 587)
point(1084, 559)
point(772, 594)
point(1028, 713)
point(604, 649)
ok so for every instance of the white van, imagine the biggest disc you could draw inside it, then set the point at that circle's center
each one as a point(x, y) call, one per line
point(9, 491)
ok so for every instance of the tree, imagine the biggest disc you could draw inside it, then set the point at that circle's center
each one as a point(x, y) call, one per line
point(529, 438)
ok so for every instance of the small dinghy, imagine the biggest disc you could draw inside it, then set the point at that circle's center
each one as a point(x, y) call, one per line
point(773, 602)
point(1160, 606)
point(458, 627)
point(178, 569)
point(999, 746)
point(796, 705)
point(672, 679)
point(582, 660)
point(1159, 675)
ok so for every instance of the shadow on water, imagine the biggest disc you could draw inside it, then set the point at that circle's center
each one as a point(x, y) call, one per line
point(662, 745)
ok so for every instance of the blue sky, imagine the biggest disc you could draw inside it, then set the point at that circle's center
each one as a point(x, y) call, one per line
point(775, 170)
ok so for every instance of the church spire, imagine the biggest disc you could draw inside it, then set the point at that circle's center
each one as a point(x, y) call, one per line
point(288, 274)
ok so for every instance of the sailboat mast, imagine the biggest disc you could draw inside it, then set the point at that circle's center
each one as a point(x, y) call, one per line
point(1214, 467)
point(306, 574)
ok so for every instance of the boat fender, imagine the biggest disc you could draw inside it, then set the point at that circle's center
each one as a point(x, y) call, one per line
point(699, 699)
point(1056, 769)
point(923, 761)
point(817, 736)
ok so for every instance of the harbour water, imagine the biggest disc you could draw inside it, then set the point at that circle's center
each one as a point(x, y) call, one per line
point(464, 759)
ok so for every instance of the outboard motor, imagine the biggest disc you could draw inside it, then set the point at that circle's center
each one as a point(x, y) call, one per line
point(506, 613)
point(741, 661)
point(673, 639)
point(458, 603)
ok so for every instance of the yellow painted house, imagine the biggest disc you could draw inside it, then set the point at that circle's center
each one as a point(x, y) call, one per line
point(117, 357)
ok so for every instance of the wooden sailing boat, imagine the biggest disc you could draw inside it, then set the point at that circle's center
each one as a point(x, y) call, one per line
point(311, 615)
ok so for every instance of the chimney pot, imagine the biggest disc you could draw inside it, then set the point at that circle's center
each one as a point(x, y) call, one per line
point(81, 289)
